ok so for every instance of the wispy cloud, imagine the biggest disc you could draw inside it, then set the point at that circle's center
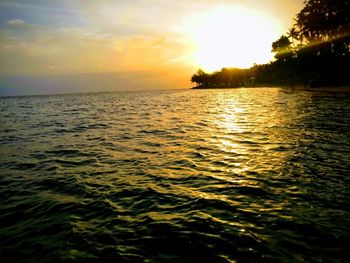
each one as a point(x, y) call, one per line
point(15, 22)
point(37, 7)
point(79, 50)
point(85, 36)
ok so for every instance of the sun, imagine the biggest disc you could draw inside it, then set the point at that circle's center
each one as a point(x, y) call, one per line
point(229, 36)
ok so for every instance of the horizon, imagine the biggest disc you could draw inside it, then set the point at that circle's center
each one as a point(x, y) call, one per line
point(174, 131)
point(146, 43)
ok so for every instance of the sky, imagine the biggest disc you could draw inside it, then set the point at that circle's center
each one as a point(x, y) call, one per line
point(102, 45)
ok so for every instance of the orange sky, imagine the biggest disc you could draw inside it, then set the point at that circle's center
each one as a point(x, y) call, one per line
point(169, 38)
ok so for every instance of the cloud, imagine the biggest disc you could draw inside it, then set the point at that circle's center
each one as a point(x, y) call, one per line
point(15, 22)
point(78, 50)
point(96, 36)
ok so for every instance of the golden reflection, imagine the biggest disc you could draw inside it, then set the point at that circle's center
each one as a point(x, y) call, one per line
point(159, 216)
point(247, 133)
point(231, 118)
point(193, 192)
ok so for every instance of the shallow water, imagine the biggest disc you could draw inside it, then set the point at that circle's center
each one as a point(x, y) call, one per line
point(241, 175)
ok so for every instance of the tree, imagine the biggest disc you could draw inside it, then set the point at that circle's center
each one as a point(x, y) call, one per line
point(316, 49)
point(294, 35)
point(282, 47)
point(324, 19)
point(200, 78)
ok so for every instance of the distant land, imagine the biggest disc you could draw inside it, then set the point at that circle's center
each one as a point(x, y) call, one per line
point(13, 85)
point(314, 53)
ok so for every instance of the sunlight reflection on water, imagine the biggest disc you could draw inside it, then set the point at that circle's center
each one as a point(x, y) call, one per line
point(244, 174)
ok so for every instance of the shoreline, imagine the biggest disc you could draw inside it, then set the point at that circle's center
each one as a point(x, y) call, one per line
point(336, 89)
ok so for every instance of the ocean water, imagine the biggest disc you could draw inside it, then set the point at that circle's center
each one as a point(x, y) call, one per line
point(241, 175)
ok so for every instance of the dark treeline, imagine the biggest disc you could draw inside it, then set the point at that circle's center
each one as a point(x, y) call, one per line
point(314, 52)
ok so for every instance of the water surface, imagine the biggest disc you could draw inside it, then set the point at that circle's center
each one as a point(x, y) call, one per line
point(241, 175)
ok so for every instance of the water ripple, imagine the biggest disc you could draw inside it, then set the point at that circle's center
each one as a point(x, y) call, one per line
point(243, 175)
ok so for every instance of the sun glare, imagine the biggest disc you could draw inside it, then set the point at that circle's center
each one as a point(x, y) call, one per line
point(231, 37)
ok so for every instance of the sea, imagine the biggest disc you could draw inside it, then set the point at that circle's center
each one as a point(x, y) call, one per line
point(221, 175)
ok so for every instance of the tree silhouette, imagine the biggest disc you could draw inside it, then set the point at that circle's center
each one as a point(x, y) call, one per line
point(201, 78)
point(324, 19)
point(321, 57)
point(293, 34)
point(282, 47)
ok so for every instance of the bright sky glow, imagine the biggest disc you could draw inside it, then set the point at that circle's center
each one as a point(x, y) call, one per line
point(168, 39)
point(229, 36)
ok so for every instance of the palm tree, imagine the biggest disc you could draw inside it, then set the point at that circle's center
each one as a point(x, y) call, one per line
point(294, 35)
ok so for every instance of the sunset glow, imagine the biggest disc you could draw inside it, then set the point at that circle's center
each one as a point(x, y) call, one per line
point(174, 131)
point(137, 44)
point(231, 37)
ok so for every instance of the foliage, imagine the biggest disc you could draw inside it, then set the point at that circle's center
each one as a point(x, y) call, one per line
point(315, 50)
point(282, 47)
point(324, 19)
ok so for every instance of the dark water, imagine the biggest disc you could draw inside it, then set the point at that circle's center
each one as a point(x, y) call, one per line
point(244, 175)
